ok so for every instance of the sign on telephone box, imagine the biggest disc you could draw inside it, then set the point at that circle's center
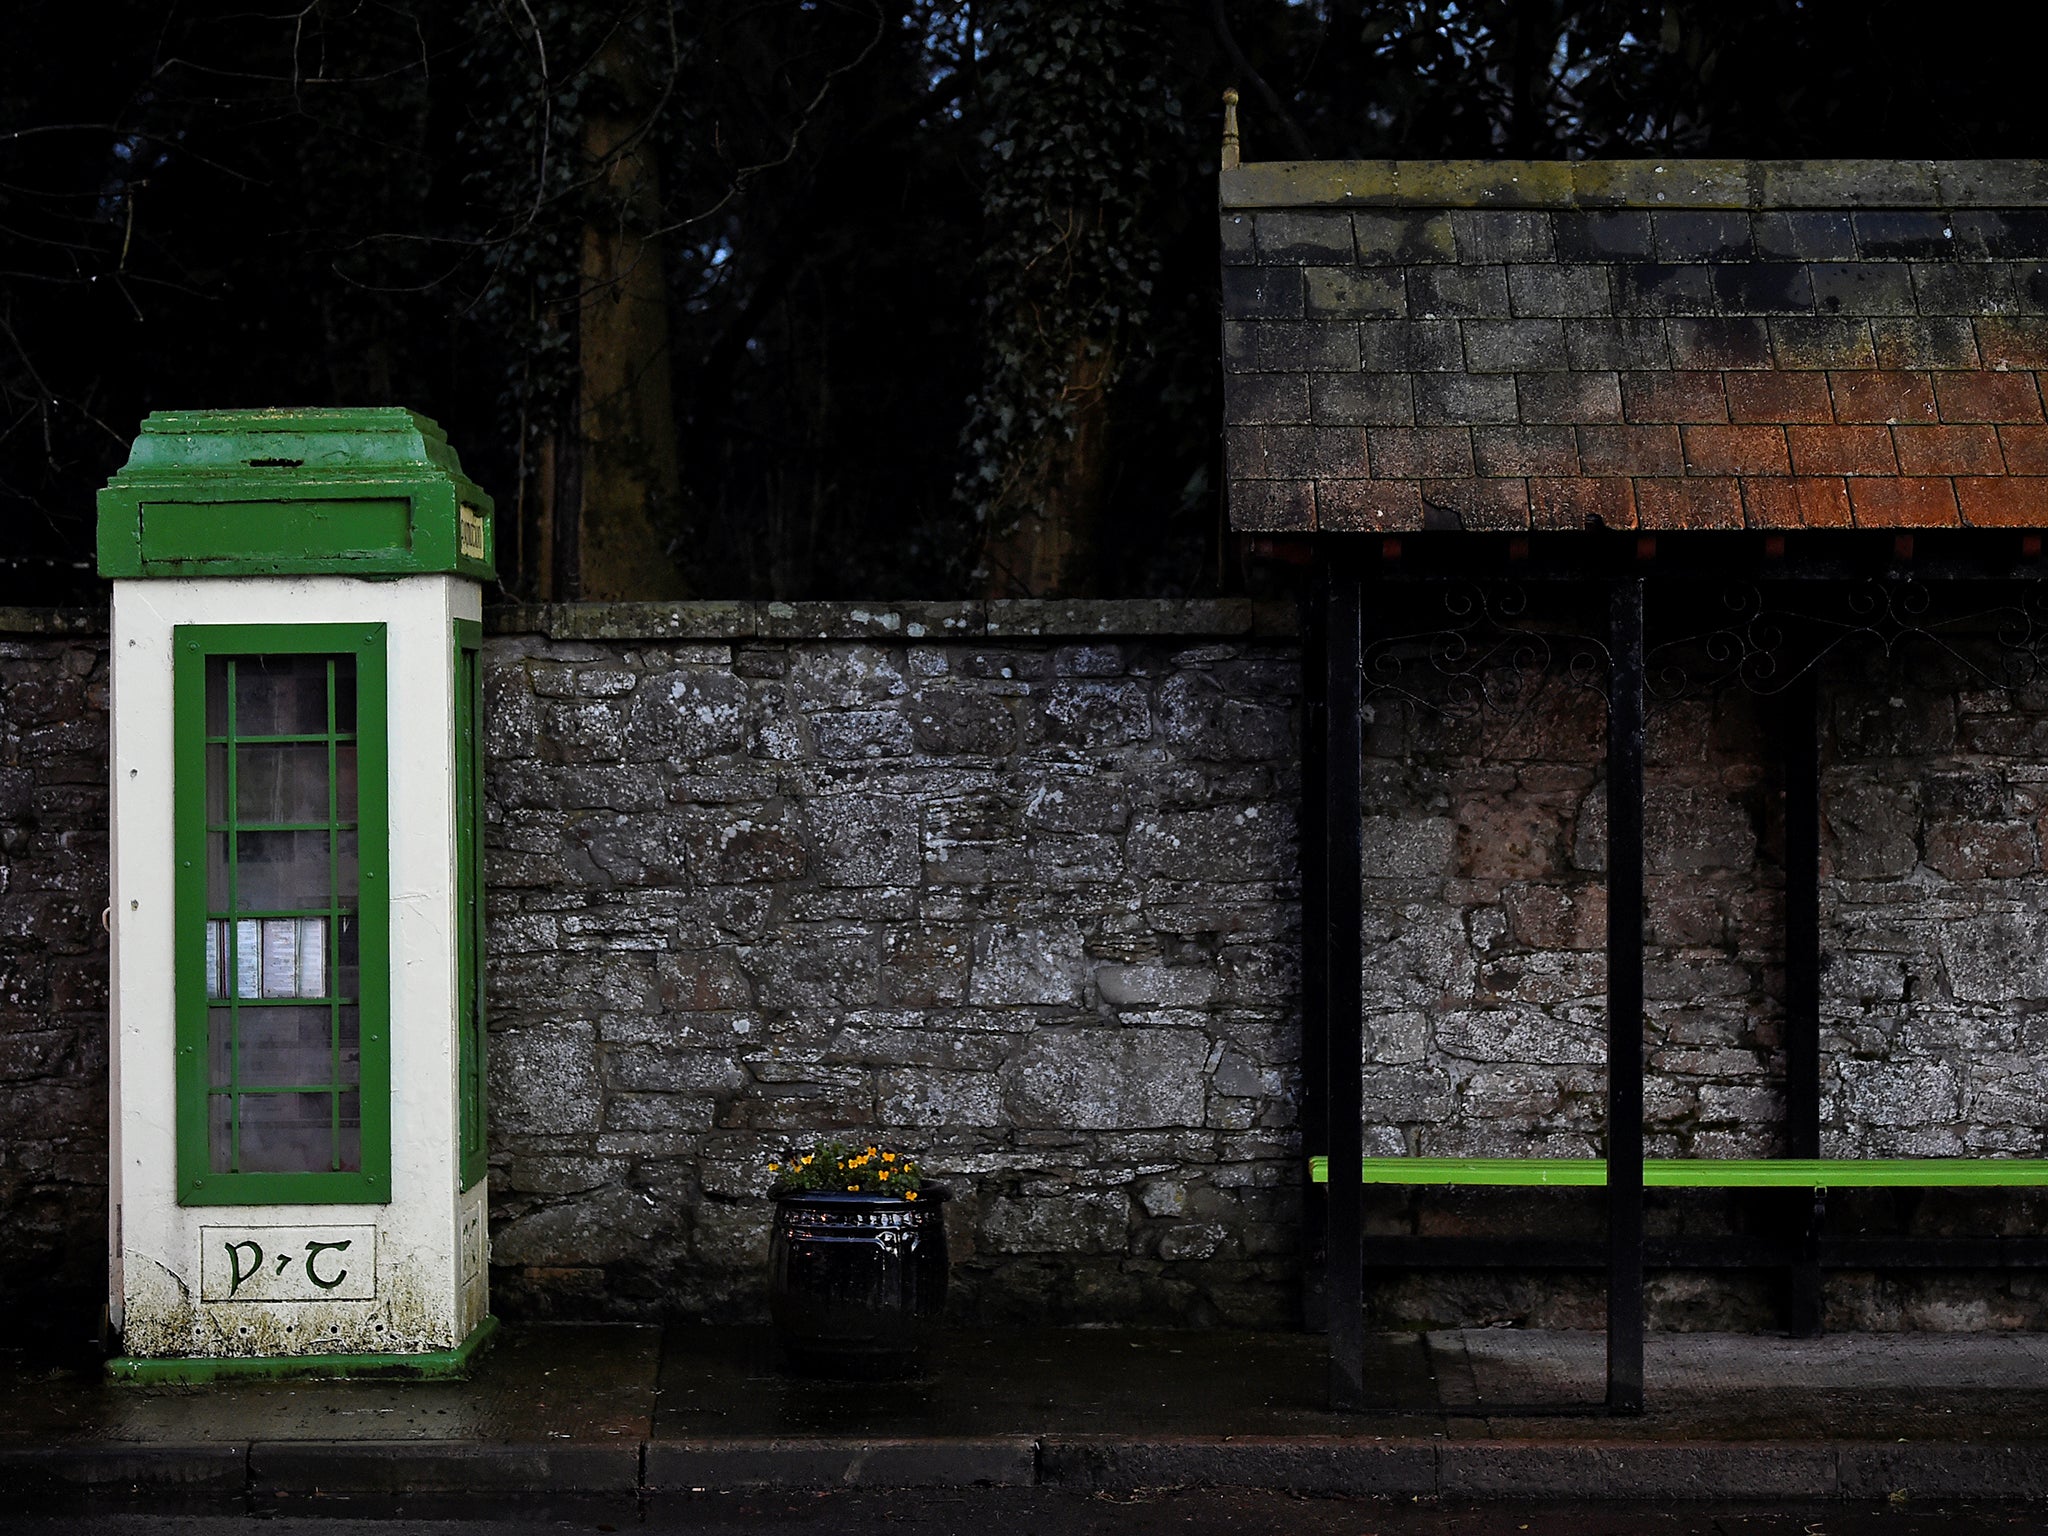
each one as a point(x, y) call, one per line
point(298, 1146)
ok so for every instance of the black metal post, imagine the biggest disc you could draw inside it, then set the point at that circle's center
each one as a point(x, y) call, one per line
point(1801, 748)
point(1344, 1045)
point(1625, 739)
point(1315, 907)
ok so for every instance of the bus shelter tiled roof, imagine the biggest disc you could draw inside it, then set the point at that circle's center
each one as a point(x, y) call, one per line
point(1656, 345)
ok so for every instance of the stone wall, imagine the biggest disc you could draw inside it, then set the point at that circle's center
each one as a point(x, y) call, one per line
point(53, 968)
point(1015, 884)
point(1016, 893)
point(1486, 920)
point(1485, 977)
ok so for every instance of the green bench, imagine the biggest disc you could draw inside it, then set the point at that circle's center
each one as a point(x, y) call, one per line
point(1705, 1173)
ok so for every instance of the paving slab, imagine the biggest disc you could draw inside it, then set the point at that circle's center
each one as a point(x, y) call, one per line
point(965, 1461)
point(537, 1385)
point(725, 1382)
point(1504, 1365)
point(610, 1417)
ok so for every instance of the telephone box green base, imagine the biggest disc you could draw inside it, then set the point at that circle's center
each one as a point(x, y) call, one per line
point(187, 1371)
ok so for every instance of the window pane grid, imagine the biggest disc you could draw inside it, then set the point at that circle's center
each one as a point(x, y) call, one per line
point(294, 962)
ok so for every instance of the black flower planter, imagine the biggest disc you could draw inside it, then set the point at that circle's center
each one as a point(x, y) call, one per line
point(855, 1281)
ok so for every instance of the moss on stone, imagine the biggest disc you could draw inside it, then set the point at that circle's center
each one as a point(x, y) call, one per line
point(1674, 183)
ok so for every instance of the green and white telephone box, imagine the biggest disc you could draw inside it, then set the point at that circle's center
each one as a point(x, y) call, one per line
point(298, 1169)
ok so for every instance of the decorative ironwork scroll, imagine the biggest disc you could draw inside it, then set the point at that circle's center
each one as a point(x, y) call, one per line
point(1765, 638)
point(1477, 648)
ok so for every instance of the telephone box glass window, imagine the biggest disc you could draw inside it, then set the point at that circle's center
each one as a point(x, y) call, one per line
point(284, 1036)
point(282, 975)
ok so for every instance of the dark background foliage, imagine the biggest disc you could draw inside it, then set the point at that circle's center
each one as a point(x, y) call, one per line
point(914, 256)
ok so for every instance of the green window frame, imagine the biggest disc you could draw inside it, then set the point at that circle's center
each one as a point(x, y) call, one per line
point(473, 1161)
point(212, 921)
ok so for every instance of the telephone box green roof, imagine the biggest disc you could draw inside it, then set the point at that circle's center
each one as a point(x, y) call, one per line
point(370, 492)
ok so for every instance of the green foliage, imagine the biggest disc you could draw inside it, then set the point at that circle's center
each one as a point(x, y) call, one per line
point(1079, 125)
point(886, 228)
point(833, 1167)
point(524, 185)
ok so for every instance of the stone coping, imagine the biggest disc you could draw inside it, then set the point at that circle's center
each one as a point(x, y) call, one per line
point(52, 621)
point(1673, 183)
point(1006, 619)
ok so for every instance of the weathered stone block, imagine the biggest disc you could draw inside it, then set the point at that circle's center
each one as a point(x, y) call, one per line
point(1250, 842)
point(1981, 850)
point(1090, 714)
point(919, 1097)
point(1108, 1079)
point(731, 1236)
point(814, 970)
point(1873, 828)
point(1030, 966)
point(2000, 957)
point(1557, 917)
point(1910, 1093)
point(1287, 346)
point(1653, 288)
point(1403, 847)
point(731, 846)
point(1204, 721)
point(1604, 235)
point(864, 734)
point(1560, 290)
point(864, 840)
point(646, 1069)
point(1518, 1035)
point(1092, 1221)
point(1511, 839)
point(845, 676)
point(1855, 976)
point(1405, 1095)
point(702, 980)
point(1155, 986)
point(1406, 346)
point(544, 1080)
point(599, 1227)
point(1689, 831)
point(583, 732)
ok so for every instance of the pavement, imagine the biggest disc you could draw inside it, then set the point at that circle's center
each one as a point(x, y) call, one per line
point(577, 1421)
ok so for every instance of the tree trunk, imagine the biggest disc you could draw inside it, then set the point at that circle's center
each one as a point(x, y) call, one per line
point(628, 480)
point(1043, 528)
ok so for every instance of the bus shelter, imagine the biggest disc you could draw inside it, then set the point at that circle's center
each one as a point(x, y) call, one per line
point(1642, 431)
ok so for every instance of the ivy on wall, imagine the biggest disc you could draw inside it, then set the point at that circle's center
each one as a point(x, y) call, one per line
point(1079, 123)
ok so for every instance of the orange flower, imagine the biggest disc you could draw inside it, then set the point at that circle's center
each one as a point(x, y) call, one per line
point(910, 1194)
